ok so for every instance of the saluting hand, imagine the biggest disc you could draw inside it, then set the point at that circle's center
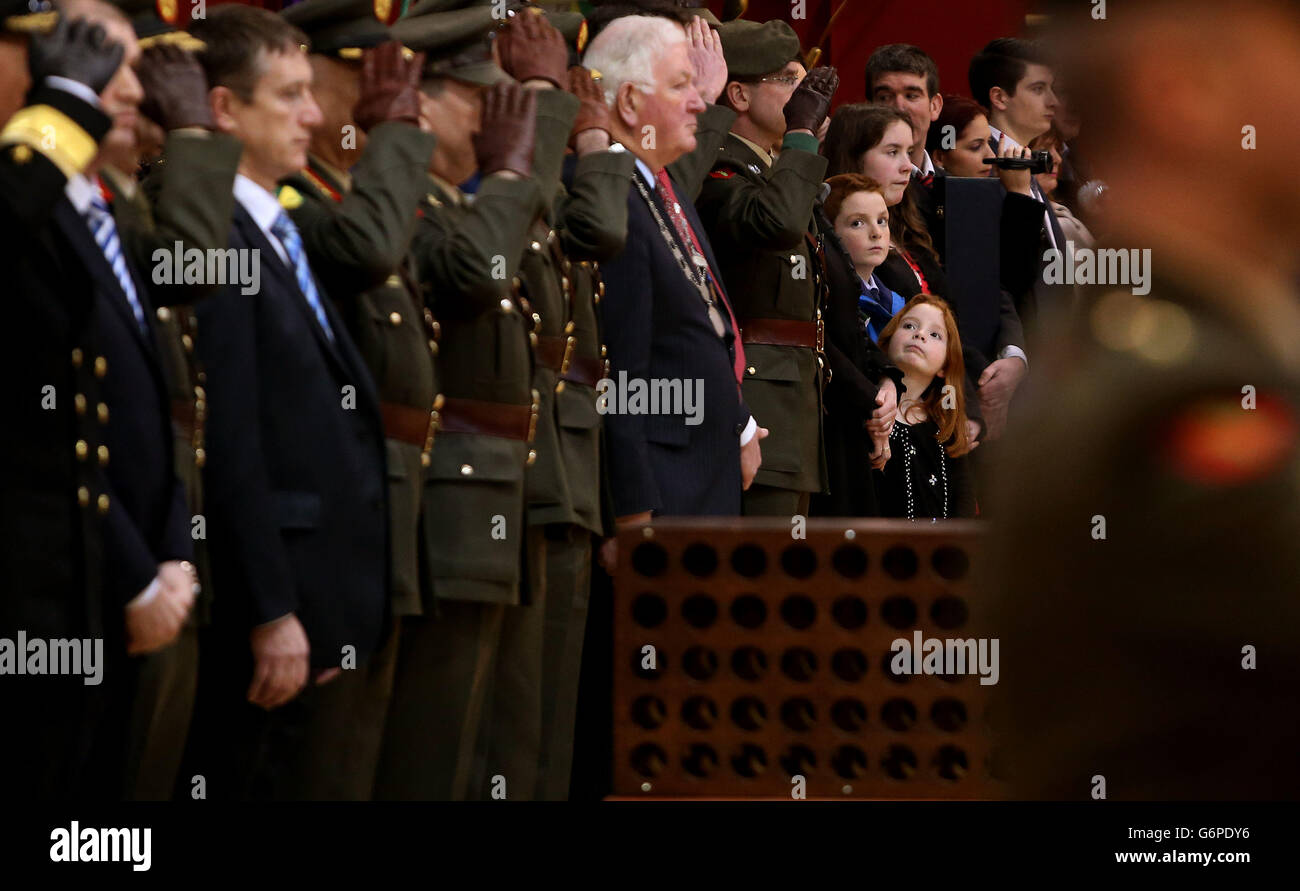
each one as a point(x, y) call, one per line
point(175, 88)
point(532, 49)
point(705, 50)
point(810, 103)
point(505, 138)
point(593, 113)
point(390, 86)
point(78, 50)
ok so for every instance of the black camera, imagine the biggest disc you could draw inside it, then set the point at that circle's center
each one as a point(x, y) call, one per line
point(1038, 162)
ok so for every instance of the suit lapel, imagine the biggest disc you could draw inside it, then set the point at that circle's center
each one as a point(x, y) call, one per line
point(339, 351)
point(287, 281)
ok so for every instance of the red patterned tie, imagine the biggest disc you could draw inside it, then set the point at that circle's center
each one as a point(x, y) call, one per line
point(687, 234)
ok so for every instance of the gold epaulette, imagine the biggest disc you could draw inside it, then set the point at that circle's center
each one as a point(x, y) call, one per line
point(45, 129)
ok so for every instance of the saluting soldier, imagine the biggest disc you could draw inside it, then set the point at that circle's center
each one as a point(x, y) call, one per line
point(467, 255)
point(757, 205)
point(51, 564)
point(354, 204)
point(591, 221)
point(185, 204)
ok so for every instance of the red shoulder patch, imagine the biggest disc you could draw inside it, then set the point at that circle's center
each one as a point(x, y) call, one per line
point(722, 174)
point(1223, 442)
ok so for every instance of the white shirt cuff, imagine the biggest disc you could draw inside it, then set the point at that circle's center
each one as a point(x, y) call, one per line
point(147, 594)
point(75, 87)
point(748, 433)
point(1013, 350)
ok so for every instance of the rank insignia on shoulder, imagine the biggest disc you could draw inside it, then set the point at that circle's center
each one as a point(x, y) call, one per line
point(290, 198)
point(1221, 442)
point(722, 174)
point(755, 169)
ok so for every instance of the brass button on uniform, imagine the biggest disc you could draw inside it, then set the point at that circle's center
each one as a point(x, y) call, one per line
point(751, 370)
point(425, 459)
point(439, 401)
point(506, 305)
point(83, 496)
point(102, 454)
point(101, 411)
point(394, 281)
point(200, 393)
point(200, 457)
point(559, 387)
point(82, 449)
point(466, 470)
point(79, 403)
point(532, 457)
point(536, 246)
point(102, 504)
point(101, 366)
point(164, 314)
point(77, 356)
point(395, 318)
point(187, 342)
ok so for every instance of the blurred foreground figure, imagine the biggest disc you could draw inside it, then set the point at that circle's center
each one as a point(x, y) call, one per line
point(1144, 568)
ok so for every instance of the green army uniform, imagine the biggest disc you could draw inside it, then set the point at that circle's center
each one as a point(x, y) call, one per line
point(466, 254)
point(759, 217)
point(188, 198)
point(1142, 563)
point(510, 746)
point(356, 227)
point(591, 220)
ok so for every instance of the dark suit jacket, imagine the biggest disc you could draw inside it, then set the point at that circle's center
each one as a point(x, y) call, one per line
point(298, 518)
point(656, 326)
point(147, 521)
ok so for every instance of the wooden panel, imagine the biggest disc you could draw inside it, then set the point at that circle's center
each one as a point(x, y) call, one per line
point(772, 659)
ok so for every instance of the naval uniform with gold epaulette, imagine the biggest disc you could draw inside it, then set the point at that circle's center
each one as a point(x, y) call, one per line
point(355, 228)
point(466, 255)
point(759, 216)
point(53, 501)
point(192, 201)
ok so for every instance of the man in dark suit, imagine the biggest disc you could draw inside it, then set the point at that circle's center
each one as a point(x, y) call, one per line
point(356, 212)
point(666, 315)
point(295, 472)
point(1012, 79)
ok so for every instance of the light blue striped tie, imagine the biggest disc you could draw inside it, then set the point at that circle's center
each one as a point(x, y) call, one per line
point(105, 232)
point(284, 229)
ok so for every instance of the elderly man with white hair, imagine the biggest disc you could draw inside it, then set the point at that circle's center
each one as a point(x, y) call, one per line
point(669, 326)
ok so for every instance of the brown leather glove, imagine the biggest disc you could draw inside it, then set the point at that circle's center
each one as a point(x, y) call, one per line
point(593, 113)
point(811, 101)
point(390, 87)
point(504, 140)
point(531, 48)
point(175, 88)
